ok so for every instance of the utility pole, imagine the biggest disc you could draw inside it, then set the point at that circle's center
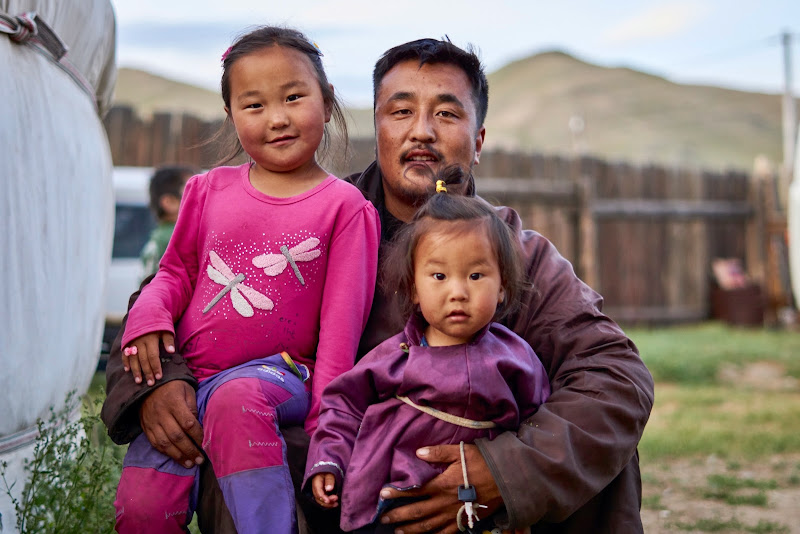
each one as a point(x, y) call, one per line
point(789, 120)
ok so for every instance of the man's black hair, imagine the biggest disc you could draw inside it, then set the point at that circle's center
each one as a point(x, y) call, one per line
point(434, 51)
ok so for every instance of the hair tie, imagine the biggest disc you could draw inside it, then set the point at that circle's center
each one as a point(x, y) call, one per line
point(225, 54)
point(440, 186)
point(319, 50)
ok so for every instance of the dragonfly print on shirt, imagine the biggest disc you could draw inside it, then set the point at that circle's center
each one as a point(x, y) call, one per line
point(244, 298)
point(275, 264)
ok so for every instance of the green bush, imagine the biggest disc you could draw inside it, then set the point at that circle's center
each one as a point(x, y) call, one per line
point(72, 475)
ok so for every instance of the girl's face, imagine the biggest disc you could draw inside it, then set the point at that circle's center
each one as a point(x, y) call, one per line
point(278, 111)
point(457, 281)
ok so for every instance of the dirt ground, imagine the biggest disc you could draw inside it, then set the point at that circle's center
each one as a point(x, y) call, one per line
point(676, 497)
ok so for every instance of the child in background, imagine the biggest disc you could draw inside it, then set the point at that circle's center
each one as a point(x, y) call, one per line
point(269, 276)
point(166, 190)
point(453, 375)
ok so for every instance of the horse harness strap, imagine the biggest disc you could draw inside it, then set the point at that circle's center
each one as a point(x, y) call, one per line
point(29, 29)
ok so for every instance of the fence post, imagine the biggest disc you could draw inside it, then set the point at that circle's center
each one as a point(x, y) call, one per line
point(117, 123)
point(755, 231)
point(587, 265)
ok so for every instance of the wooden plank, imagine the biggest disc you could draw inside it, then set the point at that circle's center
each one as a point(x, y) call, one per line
point(755, 232)
point(637, 284)
point(587, 265)
point(528, 189)
point(188, 143)
point(684, 273)
point(116, 124)
point(672, 209)
point(138, 144)
point(656, 238)
point(160, 139)
point(654, 314)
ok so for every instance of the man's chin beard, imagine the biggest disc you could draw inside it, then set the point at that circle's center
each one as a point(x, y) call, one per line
point(421, 169)
point(419, 184)
point(415, 197)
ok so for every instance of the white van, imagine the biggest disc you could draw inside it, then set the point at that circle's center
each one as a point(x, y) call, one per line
point(133, 223)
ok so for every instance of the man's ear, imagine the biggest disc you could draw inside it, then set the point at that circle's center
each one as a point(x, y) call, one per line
point(479, 144)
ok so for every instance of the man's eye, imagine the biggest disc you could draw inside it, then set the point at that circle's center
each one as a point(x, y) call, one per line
point(475, 276)
point(254, 105)
point(447, 115)
point(402, 112)
point(438, 276)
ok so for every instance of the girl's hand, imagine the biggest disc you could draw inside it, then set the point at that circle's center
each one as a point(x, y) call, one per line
point(142, 356)
point(323, 486)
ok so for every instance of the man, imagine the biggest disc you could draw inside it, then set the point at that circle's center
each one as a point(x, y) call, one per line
point(573, 466)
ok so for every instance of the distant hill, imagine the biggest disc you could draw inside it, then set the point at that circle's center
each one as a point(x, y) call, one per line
point(628, 115)
point(555, 103)
point(147, 93)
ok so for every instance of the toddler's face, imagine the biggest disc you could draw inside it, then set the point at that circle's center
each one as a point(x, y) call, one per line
point(457, 281)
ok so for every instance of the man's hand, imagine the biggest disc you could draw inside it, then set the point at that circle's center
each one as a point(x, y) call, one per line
point(438, 512)
point(169, 419)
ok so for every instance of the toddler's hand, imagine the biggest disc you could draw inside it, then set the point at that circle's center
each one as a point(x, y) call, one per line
point(142, 356)
point(323, 486)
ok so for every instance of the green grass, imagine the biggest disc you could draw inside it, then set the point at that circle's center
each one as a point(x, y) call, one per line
point(732, 525)
point(698, 414)
point(652, 502)
point(738, 491)
point(722, 420)
point(733, 483)
point(694, 354)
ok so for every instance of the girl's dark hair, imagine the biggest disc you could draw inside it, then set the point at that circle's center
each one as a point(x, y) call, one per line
point(397, 269)
point(265, 37)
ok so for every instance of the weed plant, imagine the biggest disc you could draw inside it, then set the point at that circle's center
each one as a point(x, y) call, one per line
point(72, 475)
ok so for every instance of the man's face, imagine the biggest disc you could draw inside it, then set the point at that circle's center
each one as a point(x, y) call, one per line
point(424, 120)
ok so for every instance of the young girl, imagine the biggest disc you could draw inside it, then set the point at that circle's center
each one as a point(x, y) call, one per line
point(456, 268)
point(269, 276)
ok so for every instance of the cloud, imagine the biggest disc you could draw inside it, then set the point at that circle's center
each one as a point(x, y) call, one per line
point(656, 22)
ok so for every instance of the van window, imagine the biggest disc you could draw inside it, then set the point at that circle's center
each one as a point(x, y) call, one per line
point(132, 228)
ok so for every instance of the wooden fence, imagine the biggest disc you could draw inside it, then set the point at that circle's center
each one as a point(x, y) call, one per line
point(644, 237)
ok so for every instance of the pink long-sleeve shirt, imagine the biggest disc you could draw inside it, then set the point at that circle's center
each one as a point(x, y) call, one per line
point(247, 275)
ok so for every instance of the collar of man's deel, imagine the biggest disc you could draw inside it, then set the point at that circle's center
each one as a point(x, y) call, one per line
point(370, 182)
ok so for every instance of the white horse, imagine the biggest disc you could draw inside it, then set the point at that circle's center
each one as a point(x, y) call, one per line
point(56, 209)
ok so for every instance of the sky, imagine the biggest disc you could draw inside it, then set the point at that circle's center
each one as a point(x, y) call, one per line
point(728, 43)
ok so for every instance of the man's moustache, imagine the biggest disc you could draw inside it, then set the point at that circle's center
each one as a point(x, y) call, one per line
point(426, 148)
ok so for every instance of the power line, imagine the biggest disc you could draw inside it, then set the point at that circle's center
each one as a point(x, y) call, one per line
point(736, 51)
